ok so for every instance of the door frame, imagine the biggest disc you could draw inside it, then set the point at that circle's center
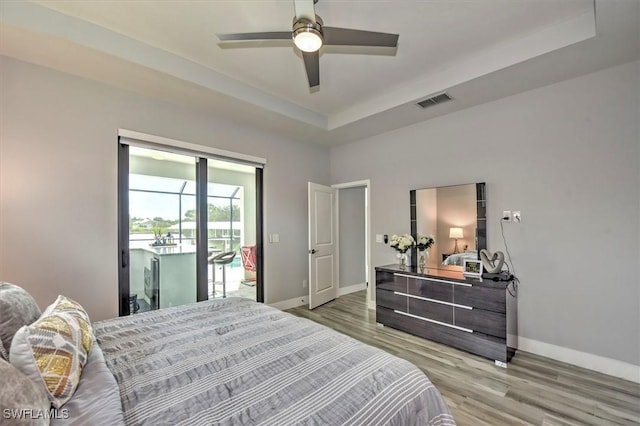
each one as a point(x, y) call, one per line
point(366, 184)
point(123, 230)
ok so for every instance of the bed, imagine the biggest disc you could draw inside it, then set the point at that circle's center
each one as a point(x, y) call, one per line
point(457, 259)
point(234, 361)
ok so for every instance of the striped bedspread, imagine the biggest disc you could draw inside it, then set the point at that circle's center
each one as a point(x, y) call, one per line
point(236, 362)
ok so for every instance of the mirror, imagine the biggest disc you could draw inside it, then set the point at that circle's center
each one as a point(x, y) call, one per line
point(456, 217)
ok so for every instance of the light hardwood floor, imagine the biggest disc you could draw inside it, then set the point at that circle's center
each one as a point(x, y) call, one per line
point(533, 390)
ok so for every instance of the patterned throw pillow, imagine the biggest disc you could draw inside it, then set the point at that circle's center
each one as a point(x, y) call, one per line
point(53, 350)
point(65, 305)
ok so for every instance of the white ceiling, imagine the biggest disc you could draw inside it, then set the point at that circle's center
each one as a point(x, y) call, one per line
point(476, 50)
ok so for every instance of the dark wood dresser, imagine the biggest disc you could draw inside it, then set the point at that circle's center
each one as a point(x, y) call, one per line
point(471, 314)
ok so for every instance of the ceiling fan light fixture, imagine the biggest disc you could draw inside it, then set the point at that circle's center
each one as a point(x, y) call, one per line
point(307, 35)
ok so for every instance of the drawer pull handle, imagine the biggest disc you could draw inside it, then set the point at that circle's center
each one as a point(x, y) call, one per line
point(432, 300)
point(434, 279)
point(434, 321)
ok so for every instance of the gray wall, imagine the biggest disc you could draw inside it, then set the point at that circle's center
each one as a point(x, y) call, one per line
point(58, 183)
point(567, 156)
point(351, 219)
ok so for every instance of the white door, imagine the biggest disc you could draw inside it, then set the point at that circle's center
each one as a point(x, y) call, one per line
point(323, 244)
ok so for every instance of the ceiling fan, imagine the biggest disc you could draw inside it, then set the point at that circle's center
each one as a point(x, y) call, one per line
point(309, 34)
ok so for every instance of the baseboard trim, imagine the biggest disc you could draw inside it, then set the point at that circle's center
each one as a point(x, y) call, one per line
point(612, 367)
point(290, 303)
point(351, 289)
point(304, 300)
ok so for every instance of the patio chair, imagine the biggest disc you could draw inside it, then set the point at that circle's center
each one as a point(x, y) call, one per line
point(248, 255)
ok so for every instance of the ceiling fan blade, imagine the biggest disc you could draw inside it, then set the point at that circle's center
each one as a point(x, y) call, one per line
point(312, 64)
point(273, 35)
point(348, 37)
point(305, 9)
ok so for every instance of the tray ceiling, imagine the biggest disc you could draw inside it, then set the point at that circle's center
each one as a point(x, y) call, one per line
point(169, 50)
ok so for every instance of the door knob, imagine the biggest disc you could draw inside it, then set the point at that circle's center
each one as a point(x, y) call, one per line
point(313, 251)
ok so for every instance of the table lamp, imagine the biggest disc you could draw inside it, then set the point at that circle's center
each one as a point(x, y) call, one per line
point(455, 233)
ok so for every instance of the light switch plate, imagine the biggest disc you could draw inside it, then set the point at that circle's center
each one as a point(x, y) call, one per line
point(379, 238)
point(276, 238)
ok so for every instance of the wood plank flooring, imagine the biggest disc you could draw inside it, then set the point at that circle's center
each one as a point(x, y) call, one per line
point(533, 390)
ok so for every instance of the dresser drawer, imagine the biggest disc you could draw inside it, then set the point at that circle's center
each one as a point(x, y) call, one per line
point(477, 343)
point(388, 299)
point(487, 322)
point(431, 310)
point(397, 283)
point(430, 289)
point(384, 277)
point(490, 299)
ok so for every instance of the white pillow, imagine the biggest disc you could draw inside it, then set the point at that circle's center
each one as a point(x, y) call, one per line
point(97, 399)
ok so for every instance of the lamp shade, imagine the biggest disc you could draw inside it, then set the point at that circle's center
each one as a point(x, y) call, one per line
point(455, 233)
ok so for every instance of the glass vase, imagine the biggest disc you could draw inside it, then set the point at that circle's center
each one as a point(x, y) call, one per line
point(422, 261)
point(402, 260)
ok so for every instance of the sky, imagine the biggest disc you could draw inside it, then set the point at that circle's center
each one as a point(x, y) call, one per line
point(167, 206)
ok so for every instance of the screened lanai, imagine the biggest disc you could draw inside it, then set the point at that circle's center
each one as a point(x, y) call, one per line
point(163, 227)
point(161, 205)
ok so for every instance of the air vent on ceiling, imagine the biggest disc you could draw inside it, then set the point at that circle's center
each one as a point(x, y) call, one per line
point(434, 100)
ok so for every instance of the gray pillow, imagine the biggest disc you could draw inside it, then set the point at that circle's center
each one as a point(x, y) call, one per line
point(17, 308)
point(22, 401)
point(3, 353)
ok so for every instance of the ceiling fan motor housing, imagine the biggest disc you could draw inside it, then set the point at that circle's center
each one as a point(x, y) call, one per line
point(304, 27)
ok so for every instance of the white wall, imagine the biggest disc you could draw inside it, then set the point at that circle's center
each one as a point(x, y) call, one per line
point(567, 156)
point(58, 183)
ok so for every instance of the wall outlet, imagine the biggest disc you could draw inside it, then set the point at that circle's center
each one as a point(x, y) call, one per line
point(506, 215)
point(517, 217)
point(305, 283)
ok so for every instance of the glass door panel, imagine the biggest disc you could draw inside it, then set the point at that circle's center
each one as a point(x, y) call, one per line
point(231, 202)
point(162, 249)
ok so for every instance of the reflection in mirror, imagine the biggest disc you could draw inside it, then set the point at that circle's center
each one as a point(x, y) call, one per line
point(455, 216)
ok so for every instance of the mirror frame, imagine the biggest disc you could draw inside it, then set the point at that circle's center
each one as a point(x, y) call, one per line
point(481, 217)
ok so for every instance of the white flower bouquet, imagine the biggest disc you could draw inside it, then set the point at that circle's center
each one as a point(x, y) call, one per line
point(402, 243)
point(423, 242)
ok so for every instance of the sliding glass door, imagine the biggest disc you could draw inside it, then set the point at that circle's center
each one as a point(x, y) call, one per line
point(184, 222)
point(231, 206)
point(162, 245)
